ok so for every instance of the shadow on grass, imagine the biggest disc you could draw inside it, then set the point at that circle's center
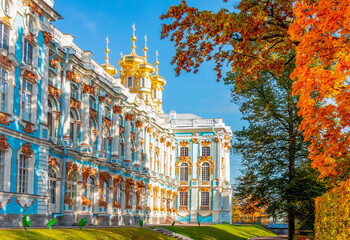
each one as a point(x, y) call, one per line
point(72, 234)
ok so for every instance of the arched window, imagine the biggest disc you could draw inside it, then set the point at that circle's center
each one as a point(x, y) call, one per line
point(23, 174)
point(5, 6)
point(72, 188)
point(183, 151)
point(52, 185)
point(92, 103)
point(52, 79)
point(129, 82)
point(184, 172)
point(3, 90)
point(205, 172)
point(91, 191)
point(105, 141)
point(106, 192)
point(119, 193)
point(27, 52)
point(2, 170)
point(27, 92)
point(206, 151)
point(73, 128)
point(4, 37)
point(107, 112)
point(74, 91)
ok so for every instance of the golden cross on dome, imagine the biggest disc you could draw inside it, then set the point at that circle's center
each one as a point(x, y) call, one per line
point(107, 41)
point(145, 39)
point(157, 54)
point(133, 29)
point(121, 54)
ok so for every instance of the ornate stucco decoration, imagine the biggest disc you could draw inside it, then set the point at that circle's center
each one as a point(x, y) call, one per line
point(129, 117)
point(139, 186)
point(184, 143)
point(162, 139)
point(205, 143)
point(121, 130)
point(55, 92)
point(86, 172)
point(109, 101)
point(157, 150)
point(7, 62)
point(3, 119)
point(151, 146)
point(3, 142)
point(149, 130)
point(101, 99)
point(71, 76)
point(205, 159)
point(47, 38)
point(75, 104)
point(69, 167)
point(27, 149)
point(34, 8)
point(116, 181)
point(55, 62)
point(52, 162)
point(89, 89)
point(139, 124)
point(107, 121)
point(216, 140)
point(28, 128)
point(6, 20)
point(181, 160)
point(128, 184)
point(204, 189)
point(29, 75)
point(132, 136)
point(194, 140)
point(168, 144)
point(117, 109)
point(103, 177)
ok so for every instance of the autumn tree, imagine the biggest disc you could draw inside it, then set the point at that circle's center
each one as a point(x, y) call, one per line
point(322, 29)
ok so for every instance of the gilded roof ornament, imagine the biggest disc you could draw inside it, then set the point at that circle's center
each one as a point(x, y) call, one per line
point(145, 48)
point(109, 68)
point(133, 39)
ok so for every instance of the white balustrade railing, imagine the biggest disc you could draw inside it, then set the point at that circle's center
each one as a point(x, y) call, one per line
point(210, 122)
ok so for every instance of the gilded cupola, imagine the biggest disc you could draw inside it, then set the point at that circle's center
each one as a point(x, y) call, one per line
point(109, 68)
point(129, 62)
point(145, 68)
point(157, 88)
point(157, 81)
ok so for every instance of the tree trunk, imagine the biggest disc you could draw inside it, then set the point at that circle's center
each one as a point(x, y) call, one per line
point(291, 222)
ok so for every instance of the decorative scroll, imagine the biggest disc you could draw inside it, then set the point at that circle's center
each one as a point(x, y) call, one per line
point(34, 8)
point(107, 121)
point(117, 109)
point(28, 128)
point(3, 119)
point(6, 62)
point(183, 189)
point(89, 89)
point(181, 160)
point(54, 63)
point(128, 184)
point(54, 92)
point(75, 104)
point(52, 162)
point(129, 117)
point(168, 144)
point(216, 140)
point(109, 101)
point(205, 159)
point(205, 143)
point(47, 38)
point(29, 75)
point(3, 142)
point(6, 19)
point(93, 114)
point(184, 143)
point(71, 76)
point(162, 139)
point(194, 140)
point(101, 99)
point(27, 149)
point(139, 124)
point(204, 189)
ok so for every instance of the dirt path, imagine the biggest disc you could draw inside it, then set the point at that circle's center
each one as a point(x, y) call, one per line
point(279, 237)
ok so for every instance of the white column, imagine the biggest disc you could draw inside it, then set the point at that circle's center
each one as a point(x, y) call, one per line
point(194, 204)
point(195, 158)
point(139, 125)
point(85, 143)
point(227, 165)
point(66, 110)
point(100, 123)
point(161, 157)
point(115, 141)
point(128, 118)
point(173, 160)
point(147, 164)
point(217, 160)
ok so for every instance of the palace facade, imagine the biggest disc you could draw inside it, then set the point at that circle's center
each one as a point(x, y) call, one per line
point(78, 139)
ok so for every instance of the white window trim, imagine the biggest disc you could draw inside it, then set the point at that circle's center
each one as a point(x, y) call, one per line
point(56, 207)
point(200, 199)
point(7, 171)
point(34, 110)
point(180, 202)
point(31, 167)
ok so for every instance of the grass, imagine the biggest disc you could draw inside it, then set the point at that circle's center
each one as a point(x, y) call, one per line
point(223, 231)
point(101, 233)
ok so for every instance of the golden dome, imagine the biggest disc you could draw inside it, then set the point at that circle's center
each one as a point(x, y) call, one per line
point(132, 60)
point(156, 78)
point(109, 68)
point(145, 66)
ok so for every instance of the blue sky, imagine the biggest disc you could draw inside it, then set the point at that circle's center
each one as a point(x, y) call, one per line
point(91, 21)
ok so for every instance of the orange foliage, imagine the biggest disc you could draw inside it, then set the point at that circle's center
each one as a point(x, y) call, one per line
point(322, 29)
point(247, 212)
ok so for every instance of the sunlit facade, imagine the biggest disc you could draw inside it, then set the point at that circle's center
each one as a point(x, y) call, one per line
point(79, 139)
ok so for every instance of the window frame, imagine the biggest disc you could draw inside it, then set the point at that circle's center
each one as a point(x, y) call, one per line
point(26, 107)
point(183, 172)
point(184, 151)
point(206, 151)
point(183, 199)
point(28, 50)
point(4, 80)
point(205, 175)
point(4, 42)
point(205, 200)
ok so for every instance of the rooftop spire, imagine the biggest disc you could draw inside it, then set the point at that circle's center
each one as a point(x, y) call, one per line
point(107, 51)
point(133, 39)
point(156, 63)
point(145, 48)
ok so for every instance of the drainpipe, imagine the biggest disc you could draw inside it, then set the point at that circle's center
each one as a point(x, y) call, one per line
point(62, 142)
point(56, 49)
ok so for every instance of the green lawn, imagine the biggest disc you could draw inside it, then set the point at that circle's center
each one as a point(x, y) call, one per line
point(223, 231)
point(102, 233)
